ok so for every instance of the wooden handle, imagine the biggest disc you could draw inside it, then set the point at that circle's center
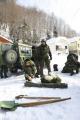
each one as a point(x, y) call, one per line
point(31, 104)
point(28, 97)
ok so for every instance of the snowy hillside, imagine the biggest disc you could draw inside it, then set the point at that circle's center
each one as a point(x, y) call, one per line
point(66, 110)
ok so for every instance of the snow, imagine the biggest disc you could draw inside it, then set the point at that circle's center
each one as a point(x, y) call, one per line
point(66, 110)
point(4, 30)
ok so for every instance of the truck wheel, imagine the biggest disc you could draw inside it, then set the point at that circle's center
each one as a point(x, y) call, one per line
point(10, 56)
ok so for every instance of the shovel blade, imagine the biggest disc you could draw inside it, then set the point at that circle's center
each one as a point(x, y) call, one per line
point(7, 104)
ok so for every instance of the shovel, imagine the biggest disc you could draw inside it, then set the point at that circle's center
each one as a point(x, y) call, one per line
point(30, 97)
point(12, 105)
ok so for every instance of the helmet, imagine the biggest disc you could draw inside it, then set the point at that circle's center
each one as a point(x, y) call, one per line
point(43, 40)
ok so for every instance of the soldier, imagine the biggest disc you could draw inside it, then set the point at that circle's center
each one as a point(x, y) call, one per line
point(73, 61)
point(44, 56)
point(3, 67)
point(35, 58)
point(72, 64)
point(29, 69)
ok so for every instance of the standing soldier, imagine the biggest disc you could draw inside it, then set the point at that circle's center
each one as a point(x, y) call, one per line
point(44, 56)
point(35, 58)
point(3, 67)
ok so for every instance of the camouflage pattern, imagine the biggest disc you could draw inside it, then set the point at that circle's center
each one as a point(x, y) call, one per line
point(44, 57)
point(71, 64)
point(51, 79)
point(29, 69)
point(35, 58)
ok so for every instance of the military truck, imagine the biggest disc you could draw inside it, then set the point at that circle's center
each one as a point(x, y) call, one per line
point(14, 54)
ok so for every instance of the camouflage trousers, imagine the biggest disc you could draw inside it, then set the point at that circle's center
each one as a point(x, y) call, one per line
point(30, 72)
point(44, 62)
point(3, 71)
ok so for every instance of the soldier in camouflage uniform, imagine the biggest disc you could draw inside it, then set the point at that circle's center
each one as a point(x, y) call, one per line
point(3, 67)
point(71, 64)
point(35, 58)
point(29, 69)
point(44, 56)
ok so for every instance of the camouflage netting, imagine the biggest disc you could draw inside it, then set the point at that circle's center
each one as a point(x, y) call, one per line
point(50, 79)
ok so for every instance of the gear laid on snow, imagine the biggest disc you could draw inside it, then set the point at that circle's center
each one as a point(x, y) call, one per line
point(50, 79)
point(12, 105)
point(46, 85)
point(55, 66)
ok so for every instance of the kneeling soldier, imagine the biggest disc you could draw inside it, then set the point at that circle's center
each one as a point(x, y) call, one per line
point(29, 69)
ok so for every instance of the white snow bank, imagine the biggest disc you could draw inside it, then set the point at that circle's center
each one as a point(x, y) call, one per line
point(66, 110)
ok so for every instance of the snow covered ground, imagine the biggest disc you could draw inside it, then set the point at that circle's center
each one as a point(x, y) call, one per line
point(66, 110)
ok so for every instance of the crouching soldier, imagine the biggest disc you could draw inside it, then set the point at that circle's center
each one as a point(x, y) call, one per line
point(29, 69)
point(72, 64)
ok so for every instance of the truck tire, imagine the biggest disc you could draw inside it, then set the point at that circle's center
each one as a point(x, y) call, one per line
point(10, 56)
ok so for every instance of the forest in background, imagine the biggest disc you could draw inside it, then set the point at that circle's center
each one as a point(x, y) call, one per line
point(30, 24)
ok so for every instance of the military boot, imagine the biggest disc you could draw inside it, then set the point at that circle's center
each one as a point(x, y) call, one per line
point(72, 73)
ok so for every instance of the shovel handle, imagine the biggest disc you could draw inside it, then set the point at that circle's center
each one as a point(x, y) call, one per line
point(27, 97)
point(31, 104)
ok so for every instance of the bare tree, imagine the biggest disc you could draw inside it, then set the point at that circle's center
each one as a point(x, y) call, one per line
point(31, 24)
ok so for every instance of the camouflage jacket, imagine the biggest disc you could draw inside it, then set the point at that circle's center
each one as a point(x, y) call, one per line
point(35, 54)
point(29, 65)
point(2, 62)
point(44, 52)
